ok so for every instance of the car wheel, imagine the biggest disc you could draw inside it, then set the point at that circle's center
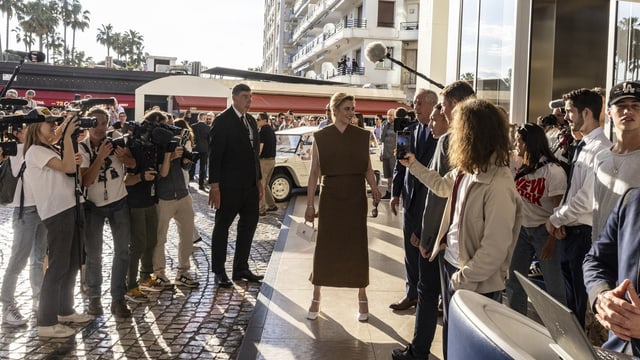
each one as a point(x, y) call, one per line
point(281, 187)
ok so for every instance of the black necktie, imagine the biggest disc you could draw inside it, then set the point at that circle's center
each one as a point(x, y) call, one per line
point(422, 131)
point(573, 164)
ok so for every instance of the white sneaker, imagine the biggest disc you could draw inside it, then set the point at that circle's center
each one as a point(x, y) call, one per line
point(186, 280)
point(75, 318)
point(57, 330)
point(12, 316)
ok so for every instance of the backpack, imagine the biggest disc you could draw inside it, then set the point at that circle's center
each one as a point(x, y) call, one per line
point(8, 182)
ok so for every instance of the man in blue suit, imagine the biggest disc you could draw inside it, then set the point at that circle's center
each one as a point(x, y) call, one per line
point(413, 193)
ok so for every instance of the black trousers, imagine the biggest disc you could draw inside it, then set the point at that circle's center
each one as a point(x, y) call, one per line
point(427, 309)
point(245, 204)
point(575, 246)
point(203, 161)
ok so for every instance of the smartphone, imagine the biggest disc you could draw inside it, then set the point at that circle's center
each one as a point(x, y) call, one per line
point(403, 139)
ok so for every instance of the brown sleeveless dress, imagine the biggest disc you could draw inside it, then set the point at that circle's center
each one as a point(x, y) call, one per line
point(341, 257)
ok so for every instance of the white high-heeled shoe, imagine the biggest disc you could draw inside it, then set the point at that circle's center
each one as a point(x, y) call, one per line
point(312, 315)
point(363, 316)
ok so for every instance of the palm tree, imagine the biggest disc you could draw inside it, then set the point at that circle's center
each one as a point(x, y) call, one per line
point(39, 19)
point(80, 22)
point(104, 37)
point(80, 59)
point(9, 8)
point(133, 41)
point(66, 17)
point(24, 37)
point(628, 46)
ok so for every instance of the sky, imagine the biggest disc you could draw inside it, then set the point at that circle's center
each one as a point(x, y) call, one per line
point(226, 33)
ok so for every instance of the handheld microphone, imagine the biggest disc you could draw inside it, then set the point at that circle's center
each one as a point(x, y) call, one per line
point(376, 51)
point(34, 56)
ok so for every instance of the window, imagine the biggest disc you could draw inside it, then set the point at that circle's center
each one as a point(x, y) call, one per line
point(386, 63)
point(486, 48)
point(386, 13)
point(627, 43)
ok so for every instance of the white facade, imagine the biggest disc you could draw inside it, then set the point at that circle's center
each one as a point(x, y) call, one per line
point(310, 37)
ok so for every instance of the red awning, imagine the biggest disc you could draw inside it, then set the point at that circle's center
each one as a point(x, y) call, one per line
point(205, 103)
point(54, 98)
point(314, 105)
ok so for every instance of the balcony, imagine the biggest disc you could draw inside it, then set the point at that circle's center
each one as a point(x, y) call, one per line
point(411, 25)
point(342, 71)
point(312, 16)
point(326, 39)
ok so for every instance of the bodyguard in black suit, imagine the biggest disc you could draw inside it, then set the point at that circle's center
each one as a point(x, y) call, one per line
point(201, 135)
point(235, 185)
point(413, 194)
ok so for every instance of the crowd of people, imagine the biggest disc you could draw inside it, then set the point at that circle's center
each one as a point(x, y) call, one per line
point(480, 200)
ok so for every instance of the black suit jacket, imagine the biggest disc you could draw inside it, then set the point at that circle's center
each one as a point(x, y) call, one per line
point(233, 162)
point(412, 190)
point(201, 135)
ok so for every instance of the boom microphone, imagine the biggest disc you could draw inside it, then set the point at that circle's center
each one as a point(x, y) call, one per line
point(34, 56)
point(376, 51)
point(89, 103)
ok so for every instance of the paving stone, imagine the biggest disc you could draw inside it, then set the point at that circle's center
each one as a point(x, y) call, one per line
point(204, 323)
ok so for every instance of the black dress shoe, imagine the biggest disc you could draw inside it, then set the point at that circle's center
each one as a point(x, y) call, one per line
point(247, 275)
point(223, 280)
point(403, 354)
point(404, 304)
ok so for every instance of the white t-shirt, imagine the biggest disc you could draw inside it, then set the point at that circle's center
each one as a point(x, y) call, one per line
point(16, 163)
point(53, 191)
point(614, 174)
point(536, 189)
point(452, 252)
point(102, 192)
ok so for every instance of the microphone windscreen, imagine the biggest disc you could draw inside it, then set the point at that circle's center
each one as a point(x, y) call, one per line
point(376, 51)
point(37, 56)
point(557, 103)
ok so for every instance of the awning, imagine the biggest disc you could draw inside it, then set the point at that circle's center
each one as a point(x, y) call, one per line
point(205, 103)
point(315, 105)
point(55, 98)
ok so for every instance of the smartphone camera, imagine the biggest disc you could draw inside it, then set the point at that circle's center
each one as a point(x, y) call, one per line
point(403, 139)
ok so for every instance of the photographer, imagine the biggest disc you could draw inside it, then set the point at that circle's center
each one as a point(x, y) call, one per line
point(103, 170)
point(29, 242)
point(55, 198)
point(388, 139)
point(175, 203)
point(140, 182)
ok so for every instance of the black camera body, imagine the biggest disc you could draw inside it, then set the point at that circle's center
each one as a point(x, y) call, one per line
point(9, 148)
point(403, 119)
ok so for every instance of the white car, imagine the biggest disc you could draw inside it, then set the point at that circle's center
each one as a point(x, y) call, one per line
point(293, 160)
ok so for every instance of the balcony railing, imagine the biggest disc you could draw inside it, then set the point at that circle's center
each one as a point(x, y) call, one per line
point(411, 25)
point(320, 39)
point(312, 16)
point(342, 70)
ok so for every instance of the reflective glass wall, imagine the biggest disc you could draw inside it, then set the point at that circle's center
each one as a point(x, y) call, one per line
point(487, 48)
point(627, 42)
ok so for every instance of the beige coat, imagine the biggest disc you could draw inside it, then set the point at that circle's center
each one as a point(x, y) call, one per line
point(489, 225)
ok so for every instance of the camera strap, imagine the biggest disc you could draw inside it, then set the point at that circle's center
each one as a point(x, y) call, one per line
point(20, 175)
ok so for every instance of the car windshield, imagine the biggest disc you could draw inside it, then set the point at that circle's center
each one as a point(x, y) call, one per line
point(287, 143)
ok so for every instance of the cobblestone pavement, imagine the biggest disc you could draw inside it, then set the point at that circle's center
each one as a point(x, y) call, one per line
point(203, 323)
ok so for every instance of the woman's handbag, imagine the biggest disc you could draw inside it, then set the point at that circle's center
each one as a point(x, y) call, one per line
point(307, 232)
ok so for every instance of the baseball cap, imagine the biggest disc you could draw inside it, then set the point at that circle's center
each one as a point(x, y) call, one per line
point(624, 90)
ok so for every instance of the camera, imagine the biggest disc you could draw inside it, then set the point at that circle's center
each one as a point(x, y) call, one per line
point(192, 156)
point(9, 148)
point(402, 119)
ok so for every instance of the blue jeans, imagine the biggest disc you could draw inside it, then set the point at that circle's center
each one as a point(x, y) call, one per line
point(530, 242)
point(29, 242)
point(120, 223)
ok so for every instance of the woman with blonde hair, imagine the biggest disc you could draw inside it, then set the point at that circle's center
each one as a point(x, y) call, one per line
point(54, 195)
point(482, 217)
point(341, 156)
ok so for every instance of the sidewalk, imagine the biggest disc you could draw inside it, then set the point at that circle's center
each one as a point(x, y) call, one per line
point(278, 328)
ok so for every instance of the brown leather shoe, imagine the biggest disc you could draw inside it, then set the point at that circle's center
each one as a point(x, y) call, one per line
point(404, 304)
